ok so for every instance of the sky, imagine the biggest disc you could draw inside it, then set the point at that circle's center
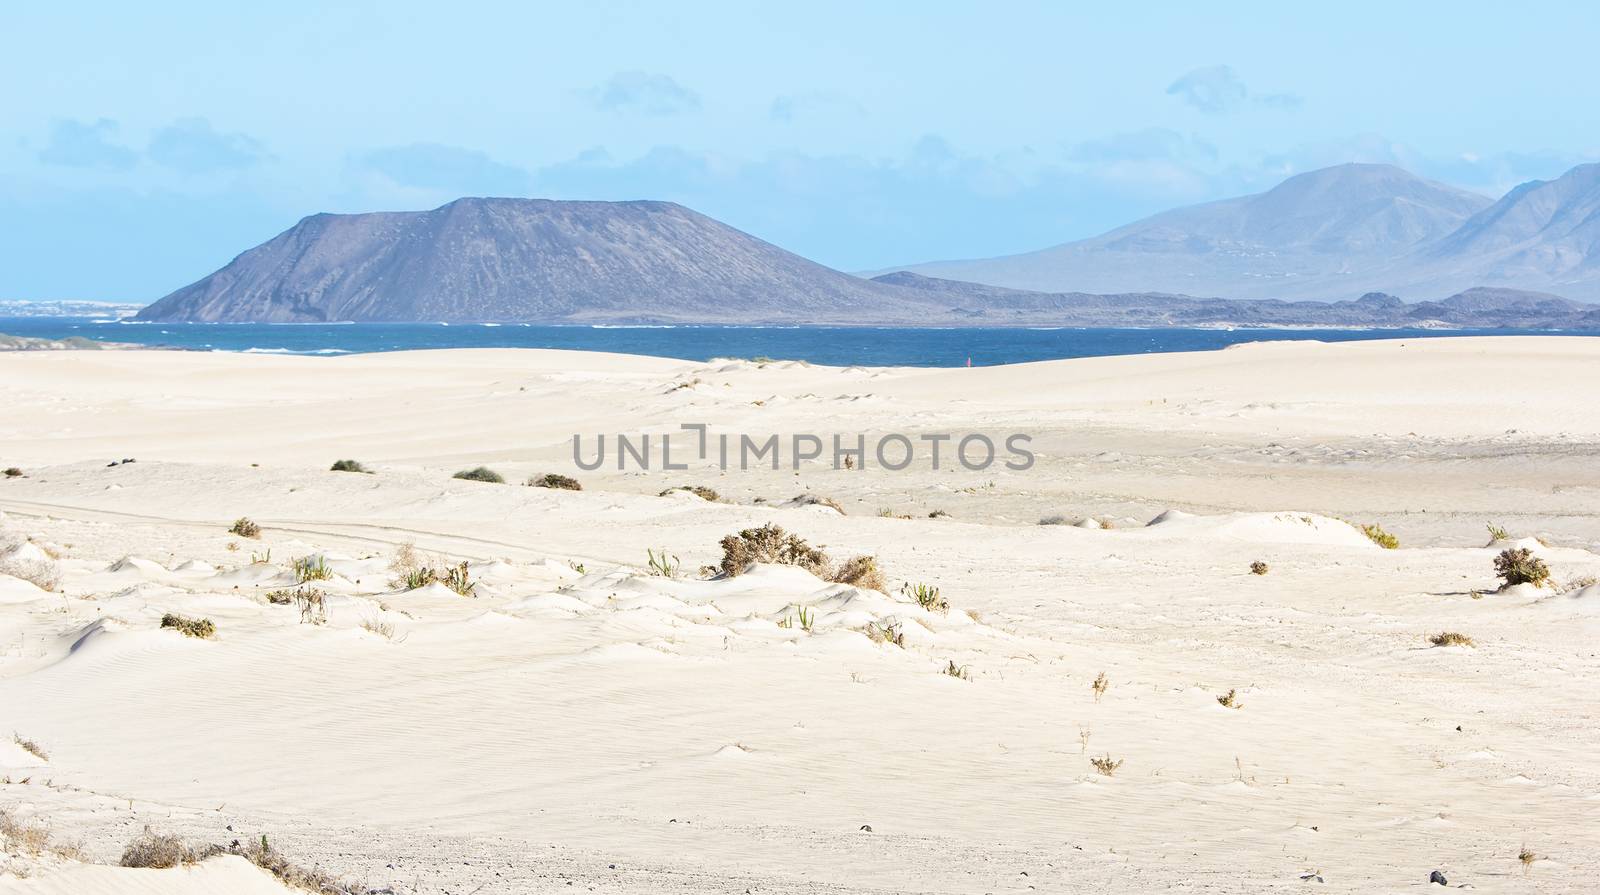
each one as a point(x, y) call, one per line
point(142, 146)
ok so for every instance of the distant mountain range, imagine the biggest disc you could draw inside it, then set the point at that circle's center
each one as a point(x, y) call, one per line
point(1331, 234)
point(543, 261)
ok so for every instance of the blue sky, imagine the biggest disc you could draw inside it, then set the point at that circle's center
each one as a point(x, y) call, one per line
point(144, 145)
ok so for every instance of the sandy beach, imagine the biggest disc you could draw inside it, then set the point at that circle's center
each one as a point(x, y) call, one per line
point(579, 721)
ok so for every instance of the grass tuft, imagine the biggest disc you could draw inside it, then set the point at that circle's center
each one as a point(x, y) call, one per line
point(1450, 638)
point(312, 568)
point(245, 528)
point(480, 474)
point(962, 672)
point(1105, 765)
point(29, 746)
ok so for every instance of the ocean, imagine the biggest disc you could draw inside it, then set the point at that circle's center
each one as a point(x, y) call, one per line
point(834, 346)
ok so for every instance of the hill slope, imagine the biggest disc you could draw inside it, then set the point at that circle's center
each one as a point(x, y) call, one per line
point(1312, 236)
point(527, 260)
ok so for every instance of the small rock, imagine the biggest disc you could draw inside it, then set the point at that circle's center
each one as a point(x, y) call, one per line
point(866, 828)
point(1438, 878)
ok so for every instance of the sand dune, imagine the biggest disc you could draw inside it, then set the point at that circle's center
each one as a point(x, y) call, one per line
point(579, 721)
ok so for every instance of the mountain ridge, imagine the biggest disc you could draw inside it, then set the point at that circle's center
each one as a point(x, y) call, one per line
point(1328, 233)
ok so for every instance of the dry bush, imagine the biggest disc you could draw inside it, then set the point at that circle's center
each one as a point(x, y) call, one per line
point(29, 746)
point(1054, 519)
point(160, 851)
point(13, 472)
point(480, 474)
point(1451, 638)
point(1259, 568)
point(769, 544)
point(20, 837)
point(1526, 856)
point(1099, 686)
point(379, 627)
point(938, 514)
point(245, 528)
point(349, 466)
point(44, 574)
point(700, 491)
point(1230, 700)
point(1519, 566)
point(202, 628)
point(860, 571)
point(313, 605)
point(1105, 765)
point(556, 481)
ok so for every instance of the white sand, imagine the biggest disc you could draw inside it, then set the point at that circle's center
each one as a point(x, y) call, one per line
point(630, 733)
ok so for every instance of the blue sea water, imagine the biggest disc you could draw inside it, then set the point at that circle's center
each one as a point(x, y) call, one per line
point(834, 346)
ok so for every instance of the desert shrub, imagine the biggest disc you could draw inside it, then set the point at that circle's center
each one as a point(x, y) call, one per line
point(817, 500)
point(1518, 565)
point(421, 576)
point(926, 596)
point(349, 466)
point(1451, 638)
point(769, 544)
point(557, 481)
point(860, 571)
point(888, 631)
point(1259, 568)
point(480, 474)
point(202, 628)
point(280, 597)
point(956, 671)
point(457, 579)
point(700, 491)
point(13, 472)
point(938, 514)
point(29, 746)
point(1054, 519)
point(1377, 535)
point(1105, 765)
point(245, 528)
point(1230, 700)
point(312, 568)
point(44, 574)
point(1099, 686)
point(1526, 856)
point(159, 851)
point(19, 837)
point(1498, 532)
